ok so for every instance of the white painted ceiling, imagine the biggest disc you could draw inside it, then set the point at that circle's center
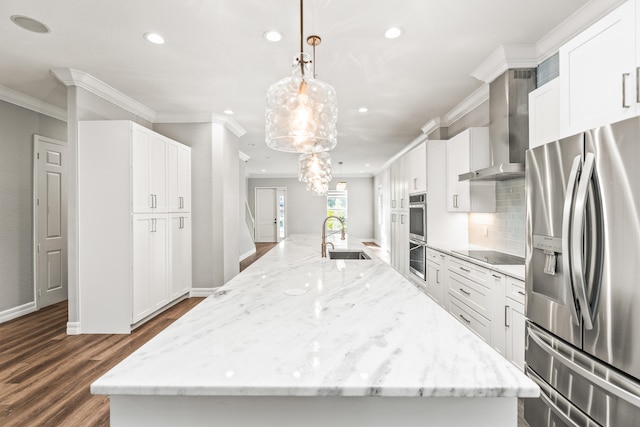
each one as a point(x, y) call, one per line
point(216, 58)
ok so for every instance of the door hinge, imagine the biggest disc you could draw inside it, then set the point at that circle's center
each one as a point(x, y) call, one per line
point(38, 156)
point(38, 247)
point(39, 293)
point(38, 202)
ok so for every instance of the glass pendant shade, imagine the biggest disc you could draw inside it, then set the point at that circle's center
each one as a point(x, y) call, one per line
point(301, 113)
point(315, 171)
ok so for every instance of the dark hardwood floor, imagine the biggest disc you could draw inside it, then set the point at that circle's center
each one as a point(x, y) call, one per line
point(261, 249)
point(45, 374)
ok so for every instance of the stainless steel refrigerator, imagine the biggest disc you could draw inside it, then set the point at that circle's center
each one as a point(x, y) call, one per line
point(583, 278)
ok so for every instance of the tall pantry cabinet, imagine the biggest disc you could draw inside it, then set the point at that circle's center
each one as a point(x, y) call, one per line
point(134, 207)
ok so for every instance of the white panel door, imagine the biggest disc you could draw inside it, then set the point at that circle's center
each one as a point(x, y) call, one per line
point(180, 255)
point(141, 295)
point(142, 199)
point(158, 172)
point(266, 215)
point(179, 177)
point(50, 221)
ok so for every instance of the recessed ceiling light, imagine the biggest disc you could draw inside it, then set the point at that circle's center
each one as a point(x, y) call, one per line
point(272, 36)
point(30, 24)
point(363, 109)
point(228, 111)
point(263, 170)
point(154, 38)
point(393, 32)
point(367, 165)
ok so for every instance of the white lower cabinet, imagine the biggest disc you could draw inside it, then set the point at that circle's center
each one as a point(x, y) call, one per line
point(180, 255)
point(488, 302)
point(150, 264)
point(437, 276)
point(515, 322)
point(400, 241)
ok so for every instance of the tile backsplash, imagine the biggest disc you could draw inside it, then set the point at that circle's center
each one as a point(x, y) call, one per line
point(504, 230)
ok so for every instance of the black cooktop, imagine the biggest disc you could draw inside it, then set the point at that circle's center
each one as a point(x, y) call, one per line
point(493, 257)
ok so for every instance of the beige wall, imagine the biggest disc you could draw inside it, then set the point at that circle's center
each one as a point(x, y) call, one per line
point(306, 212)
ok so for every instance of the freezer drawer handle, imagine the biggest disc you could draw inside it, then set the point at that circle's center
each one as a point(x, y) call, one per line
point(464, 292)
point(566, 230)
point(547, 401)
point(624, 90)
point(588, 375)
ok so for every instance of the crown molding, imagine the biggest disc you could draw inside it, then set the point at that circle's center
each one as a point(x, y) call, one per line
point(574, 24)
point(417, 141)
point(431, 125)
point(504, 58)
point(243, 156)
point(226, 121)
point(71, 77)
point(30, 103)
point(467, 105)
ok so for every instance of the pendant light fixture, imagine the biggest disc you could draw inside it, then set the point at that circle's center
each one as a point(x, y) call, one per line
point(315, 170)
point(302, 111)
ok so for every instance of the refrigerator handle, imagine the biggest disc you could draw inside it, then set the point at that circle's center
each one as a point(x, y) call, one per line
point(566, 233)
point(577, 270)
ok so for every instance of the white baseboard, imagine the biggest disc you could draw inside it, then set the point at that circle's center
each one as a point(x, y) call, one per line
point(202, 292)
point(247, 254)
point(15, 312)
point(73, 328)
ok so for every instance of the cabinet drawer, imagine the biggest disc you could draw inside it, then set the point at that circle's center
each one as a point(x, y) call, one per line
point(469, 270)
point(471, 293)
point(435, 256)
point(515, 289)
point(471, 319)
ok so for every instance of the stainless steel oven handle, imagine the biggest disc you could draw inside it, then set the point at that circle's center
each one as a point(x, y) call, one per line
point(566, 233)
point(547, 401)
point(585, 373)
point(577, 273)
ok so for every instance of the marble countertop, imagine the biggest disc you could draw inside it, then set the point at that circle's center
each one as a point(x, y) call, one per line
point(516, 271)
point(295, 324)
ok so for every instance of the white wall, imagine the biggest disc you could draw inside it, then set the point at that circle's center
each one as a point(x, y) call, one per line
point(306, 212)
point(246, 244)
point(17, 127)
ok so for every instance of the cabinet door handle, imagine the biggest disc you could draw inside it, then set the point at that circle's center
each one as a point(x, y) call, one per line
point(393, 217)
point(393, 204)
point(401, 203)
point(521, 293)
point(497, 276)
point(464, 318)
point(624, 90)
point(153, 225)
point(415, 183)
point(437, 276)
point(506, 315)
point(401, 219)
point(455, 200)
point(465, 269)
point(464, 292)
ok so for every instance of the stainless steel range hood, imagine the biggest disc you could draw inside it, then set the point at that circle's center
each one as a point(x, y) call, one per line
point(508, 126)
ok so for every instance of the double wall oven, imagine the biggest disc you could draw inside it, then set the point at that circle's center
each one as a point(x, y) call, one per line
point(418, 235)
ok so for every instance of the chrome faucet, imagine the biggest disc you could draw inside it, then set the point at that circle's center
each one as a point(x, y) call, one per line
point(324, 235)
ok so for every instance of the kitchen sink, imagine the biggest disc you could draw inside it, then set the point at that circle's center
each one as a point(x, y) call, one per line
point(348, 255)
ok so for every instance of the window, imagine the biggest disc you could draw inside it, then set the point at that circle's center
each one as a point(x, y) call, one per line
point(336, 206)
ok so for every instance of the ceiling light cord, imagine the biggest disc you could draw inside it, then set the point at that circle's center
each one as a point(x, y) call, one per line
point(301, 39)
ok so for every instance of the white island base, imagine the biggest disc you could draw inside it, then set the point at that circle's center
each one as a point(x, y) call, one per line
point(327, 411)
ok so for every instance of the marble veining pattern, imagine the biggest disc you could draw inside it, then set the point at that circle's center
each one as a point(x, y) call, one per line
point(360, 329)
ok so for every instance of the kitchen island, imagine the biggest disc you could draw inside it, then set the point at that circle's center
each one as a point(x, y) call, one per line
point(300, 340)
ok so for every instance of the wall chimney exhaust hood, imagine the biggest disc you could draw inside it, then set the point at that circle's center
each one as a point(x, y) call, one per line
point(508, 126)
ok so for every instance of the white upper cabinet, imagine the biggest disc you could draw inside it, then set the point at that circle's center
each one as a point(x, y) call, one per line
point(544, 114)
point(149, 171)
point(467, 151)
point(598, 73)
point(417, 169)
point(179, 177)
point(399, 194)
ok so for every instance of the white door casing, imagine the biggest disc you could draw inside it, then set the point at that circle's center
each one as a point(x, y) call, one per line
point(50, 221)
point(266, 215)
